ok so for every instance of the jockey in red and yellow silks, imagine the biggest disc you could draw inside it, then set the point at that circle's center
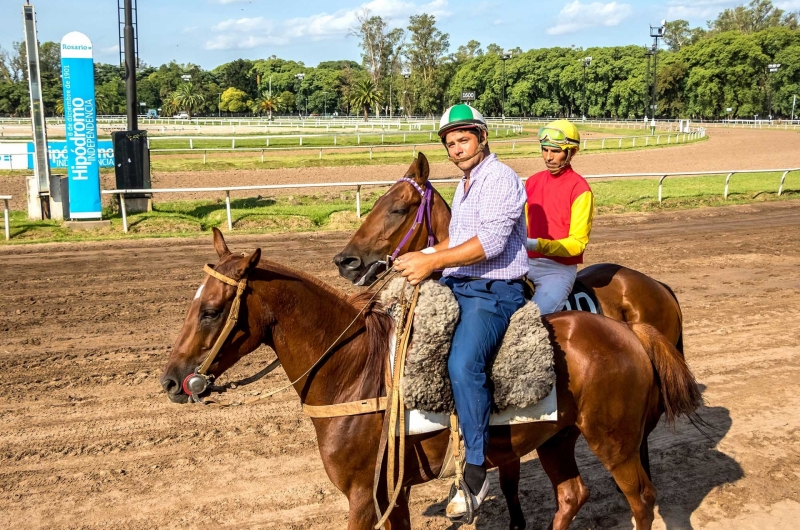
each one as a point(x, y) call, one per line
point(559, 214)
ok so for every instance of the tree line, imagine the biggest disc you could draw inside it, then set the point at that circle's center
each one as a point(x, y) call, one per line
point(702, 72)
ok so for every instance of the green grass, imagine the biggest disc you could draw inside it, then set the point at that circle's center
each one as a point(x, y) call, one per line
point(335, 210)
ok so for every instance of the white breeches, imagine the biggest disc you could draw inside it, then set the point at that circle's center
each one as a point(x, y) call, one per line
point(553, 283)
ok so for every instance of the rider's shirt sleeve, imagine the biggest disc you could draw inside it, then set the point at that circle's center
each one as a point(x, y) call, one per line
point(580, 226)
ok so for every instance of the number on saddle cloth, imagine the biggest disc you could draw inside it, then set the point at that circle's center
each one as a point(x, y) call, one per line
point(582, 298)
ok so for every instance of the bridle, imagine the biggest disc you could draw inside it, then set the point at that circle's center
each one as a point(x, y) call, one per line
point(423, 216)
point(198, 381)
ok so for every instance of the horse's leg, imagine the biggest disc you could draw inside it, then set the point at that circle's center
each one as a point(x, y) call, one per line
point(625, 465)
point(644, 456)
point(509, 484)
point(400, 519)
point(361, 513)
point(557, 456)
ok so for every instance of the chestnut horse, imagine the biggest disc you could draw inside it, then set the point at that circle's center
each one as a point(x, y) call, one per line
point(612, 381)
point(624, 294)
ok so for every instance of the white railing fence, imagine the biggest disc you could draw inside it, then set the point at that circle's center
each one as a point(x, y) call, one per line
point(358, 185)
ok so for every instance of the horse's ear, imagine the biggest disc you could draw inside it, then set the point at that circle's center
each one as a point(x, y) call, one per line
point(219, 243)
point(252, 261)
point(424, 169)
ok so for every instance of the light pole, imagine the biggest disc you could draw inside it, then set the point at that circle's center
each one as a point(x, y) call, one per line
point(219, 103)
point(649, 53)
point(794, 102)
point(656, 32)
point(300, 77)
point(504, 58)
point(586, 62)
point(771, 69)
point(406, 75)
point(325, 104)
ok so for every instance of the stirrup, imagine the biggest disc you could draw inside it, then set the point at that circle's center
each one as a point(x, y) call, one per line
point(469, 514)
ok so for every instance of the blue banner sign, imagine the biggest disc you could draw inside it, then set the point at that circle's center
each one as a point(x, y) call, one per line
point(57, 152)
point(80, 113)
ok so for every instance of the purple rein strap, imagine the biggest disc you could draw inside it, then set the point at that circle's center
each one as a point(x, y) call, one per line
point(423, 214)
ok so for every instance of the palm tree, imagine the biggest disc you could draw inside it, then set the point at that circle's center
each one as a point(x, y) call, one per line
point(266, 103)
point(366, 95)
point(187, 98)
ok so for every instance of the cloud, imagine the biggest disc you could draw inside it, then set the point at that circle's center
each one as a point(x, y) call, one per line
point(109, 50)
point(788, 5)
point(580, 16)
point(700, 9)
point(497, 22)
point(253, 32)
point(225, 2)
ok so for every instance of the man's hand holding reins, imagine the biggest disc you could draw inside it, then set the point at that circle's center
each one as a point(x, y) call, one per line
point(416, 266)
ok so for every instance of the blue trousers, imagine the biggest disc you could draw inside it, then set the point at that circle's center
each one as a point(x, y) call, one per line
point(486, 308)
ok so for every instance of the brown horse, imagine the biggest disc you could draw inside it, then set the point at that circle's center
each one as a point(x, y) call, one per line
point(624, 294)
point(613, 382)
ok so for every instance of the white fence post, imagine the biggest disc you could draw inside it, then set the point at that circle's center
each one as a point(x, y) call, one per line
point(124, 212)
point(358, 201)
point(727, 182)
point(5, 219)
point(660, 186)
point(780, 191)
point(228, 208)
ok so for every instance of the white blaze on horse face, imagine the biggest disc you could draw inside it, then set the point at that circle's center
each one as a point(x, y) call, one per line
point(199, 291)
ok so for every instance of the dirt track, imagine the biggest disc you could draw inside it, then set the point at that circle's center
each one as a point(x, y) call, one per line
point(88, 440)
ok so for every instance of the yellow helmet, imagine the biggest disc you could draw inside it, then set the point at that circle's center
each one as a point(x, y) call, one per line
point(560, 133)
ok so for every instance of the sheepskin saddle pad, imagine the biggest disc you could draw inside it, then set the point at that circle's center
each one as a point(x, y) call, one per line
point(521, 373)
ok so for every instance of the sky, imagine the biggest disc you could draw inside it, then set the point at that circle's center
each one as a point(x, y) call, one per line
point(212, 32)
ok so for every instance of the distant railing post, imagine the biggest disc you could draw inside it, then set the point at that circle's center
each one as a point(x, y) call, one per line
point(5, 220)
point(660, 188)
point(603, 144)
point(727, 183)
point(358, 201)
point(204, 156)
point(124, 212)
point(780, 190)
point(228, 208)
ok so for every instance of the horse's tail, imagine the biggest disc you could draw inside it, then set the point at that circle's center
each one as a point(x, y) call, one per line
point(680, 394)
point(679, 344)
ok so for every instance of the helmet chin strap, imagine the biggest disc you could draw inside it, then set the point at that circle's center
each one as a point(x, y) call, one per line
point(568, 160)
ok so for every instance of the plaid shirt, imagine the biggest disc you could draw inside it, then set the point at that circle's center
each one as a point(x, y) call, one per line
point(492, 209)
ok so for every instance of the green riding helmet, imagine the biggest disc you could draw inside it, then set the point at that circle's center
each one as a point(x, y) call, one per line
point(461, 117)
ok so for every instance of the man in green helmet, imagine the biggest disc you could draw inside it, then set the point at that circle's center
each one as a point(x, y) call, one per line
point(484, 262)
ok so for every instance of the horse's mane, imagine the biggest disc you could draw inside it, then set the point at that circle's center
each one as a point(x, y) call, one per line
point(378, 324)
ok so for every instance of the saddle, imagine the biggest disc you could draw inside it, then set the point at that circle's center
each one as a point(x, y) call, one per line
point(521, 373)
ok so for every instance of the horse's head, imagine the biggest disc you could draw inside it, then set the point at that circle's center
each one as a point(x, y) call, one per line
point(384, 228)
point(206, 318)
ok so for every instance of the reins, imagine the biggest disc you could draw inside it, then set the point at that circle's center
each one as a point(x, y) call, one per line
point(197, 382)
